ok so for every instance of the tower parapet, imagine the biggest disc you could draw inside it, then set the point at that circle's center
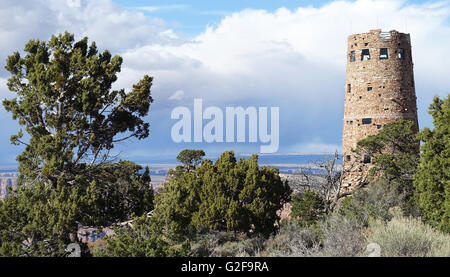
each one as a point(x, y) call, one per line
point(379, 89)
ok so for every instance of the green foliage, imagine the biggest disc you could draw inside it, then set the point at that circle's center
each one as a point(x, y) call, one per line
point(65, 103)
point(140, 241)
point(373, 201)
point(48, 217)
point(73, 118)
point(190, 158)
point(307, 209)
point(351, 207)
point(118, 192)
point(432, 179)
point(394, 152)
point(223, 196)
point(35, 222)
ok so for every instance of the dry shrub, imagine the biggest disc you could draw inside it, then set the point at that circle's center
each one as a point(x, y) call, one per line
point(226, 244)
point(343, 236)
point(292, 241)
point(408, 237)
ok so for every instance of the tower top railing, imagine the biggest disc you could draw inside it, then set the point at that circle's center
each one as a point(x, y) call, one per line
point(385, 35)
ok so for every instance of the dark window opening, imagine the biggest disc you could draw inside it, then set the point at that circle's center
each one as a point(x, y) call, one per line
point(349, 88)
point(367, 160)
point(366, 121)
point(352, 56)
point(401, 54)
point(379, 127)
point(348, 158)
point(369, 88)
point(365, 55)
point(384, 54)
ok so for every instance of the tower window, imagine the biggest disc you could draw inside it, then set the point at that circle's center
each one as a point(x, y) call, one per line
point(369, 88)
point(352, 56)
point(348, 158)
point(367, 159)
point(365, 55)
point(379, 127)
point(384, 54)
point(401, 54)
point(366, 121)
point(349, 88)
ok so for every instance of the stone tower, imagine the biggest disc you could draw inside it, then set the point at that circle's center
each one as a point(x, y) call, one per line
point(379, 89)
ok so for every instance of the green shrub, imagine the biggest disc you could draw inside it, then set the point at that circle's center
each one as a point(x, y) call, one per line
point(307, 209)
point(375, 200)
point(351, 207)
point(140, 240)
point(227, 195)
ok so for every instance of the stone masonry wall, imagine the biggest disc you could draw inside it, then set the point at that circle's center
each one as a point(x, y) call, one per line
point(378, 90)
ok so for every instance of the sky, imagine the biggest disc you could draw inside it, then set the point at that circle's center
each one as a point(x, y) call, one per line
point(261, 53)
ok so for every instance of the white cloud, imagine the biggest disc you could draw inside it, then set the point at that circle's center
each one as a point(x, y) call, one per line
point(4, 93)
point(316, 146)
point(103, 21)
point(299, 54)
point(162, 8)
point(3, 88)
point(74, 3)
point(294, 59)
point(178, 95)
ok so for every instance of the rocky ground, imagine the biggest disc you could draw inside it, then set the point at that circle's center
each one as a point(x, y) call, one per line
point(7, 179)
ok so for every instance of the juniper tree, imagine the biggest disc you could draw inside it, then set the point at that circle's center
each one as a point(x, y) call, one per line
point(190, 158)
point(65, 102)
point(432, 179)
point(73, 118)
point(308, 209)
point(395, 155)
point(226, 195)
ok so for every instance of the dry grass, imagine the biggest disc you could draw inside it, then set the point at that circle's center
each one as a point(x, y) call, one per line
point(408, 237)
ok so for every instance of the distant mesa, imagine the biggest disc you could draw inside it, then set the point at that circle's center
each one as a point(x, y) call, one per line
point(7, 180)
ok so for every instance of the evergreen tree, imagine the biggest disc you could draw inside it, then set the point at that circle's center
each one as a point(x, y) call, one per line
point(394, 153)
point(432, 179)
point(190, 158)
point(140, 241)
point(307, 209)
point(65, 103)
point(225, 196)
